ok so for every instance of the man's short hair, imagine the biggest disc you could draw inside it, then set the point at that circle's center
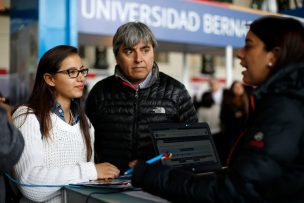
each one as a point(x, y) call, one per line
point(131, 34)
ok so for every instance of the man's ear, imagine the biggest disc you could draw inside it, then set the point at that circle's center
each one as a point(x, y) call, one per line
point(48, 78)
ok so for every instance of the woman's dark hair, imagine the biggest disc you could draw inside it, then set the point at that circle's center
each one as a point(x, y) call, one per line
point(43, 98)
point(284, 33)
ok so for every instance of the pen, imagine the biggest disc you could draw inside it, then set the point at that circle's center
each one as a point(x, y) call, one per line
point(150, 161)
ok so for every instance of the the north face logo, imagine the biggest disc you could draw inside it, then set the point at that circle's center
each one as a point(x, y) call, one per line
point(159, 110)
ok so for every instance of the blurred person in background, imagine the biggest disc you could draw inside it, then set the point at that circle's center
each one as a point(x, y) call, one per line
point(266, 164)
point(214, 95)
point(233, 117)
point(59, 139)
point(210, 106)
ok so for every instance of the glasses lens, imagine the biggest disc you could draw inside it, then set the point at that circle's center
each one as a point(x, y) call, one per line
point(73, 73)
point(84, 72)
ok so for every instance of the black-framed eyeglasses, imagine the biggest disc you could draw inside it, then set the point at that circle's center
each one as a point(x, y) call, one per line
point(74, 73)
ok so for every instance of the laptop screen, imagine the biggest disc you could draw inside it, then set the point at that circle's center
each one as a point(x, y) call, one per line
point(191, 146)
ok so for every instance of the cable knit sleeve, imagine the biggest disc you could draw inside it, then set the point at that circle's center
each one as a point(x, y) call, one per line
point(61, 159)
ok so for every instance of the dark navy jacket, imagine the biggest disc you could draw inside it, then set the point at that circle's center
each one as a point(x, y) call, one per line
point(267, 163)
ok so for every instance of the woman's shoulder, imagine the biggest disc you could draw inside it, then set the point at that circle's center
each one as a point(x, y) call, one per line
point(23, 109)
point(23, 113)
point(283, 107)
point(282, 101)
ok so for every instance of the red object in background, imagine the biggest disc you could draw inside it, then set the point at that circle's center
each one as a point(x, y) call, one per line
point(91, 74)
point(201, 79)
point(3, 71)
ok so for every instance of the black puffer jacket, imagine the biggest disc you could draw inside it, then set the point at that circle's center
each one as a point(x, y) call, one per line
point(267, 163)
point(121, 115)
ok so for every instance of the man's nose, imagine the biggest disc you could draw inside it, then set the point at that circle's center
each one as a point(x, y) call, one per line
point(138, 56)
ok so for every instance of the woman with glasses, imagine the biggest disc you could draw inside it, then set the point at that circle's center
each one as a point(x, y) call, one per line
point(58, 135)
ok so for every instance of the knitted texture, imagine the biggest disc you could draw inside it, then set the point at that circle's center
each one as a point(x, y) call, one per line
point(61, 159)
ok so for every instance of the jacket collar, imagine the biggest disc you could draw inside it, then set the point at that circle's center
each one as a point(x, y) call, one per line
point(288, 80)
point(148, 82)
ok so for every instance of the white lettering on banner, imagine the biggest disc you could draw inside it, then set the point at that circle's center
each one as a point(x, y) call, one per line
point(222, 25)
point(156, 16)
point(88, 13)
point(161, 17)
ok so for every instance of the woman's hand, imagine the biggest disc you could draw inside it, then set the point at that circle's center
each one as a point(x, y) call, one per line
point(106, 170)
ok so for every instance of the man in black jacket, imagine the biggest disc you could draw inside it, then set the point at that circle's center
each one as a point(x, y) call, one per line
point(12, 144)
point(122, 106)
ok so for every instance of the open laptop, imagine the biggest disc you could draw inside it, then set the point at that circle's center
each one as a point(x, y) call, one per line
point(191, 145)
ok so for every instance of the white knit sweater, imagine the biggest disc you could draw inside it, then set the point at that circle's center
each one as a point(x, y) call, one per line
point(58, 160)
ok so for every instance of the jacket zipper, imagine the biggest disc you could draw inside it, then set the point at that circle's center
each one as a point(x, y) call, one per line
point(134, 137)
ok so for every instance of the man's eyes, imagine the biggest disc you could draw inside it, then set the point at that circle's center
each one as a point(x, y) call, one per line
point(128, 51)
point(146, 50)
